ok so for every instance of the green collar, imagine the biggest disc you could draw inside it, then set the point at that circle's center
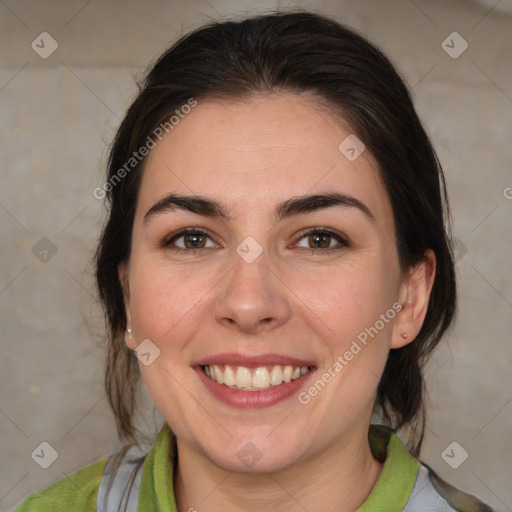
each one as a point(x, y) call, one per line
point(156, 487)
point(390, 492)
point(398, 475)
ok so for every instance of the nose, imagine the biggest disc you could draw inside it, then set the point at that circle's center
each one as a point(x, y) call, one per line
point(252, 297)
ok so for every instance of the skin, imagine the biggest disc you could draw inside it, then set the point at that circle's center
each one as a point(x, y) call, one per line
point(252, 155)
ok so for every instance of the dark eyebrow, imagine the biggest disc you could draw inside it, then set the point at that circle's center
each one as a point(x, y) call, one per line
point(294, 206)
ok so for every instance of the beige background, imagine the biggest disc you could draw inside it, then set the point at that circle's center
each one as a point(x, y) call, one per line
point(57, 116)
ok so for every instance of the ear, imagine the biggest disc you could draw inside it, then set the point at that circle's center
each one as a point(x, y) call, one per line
point(122, 271)
point(414, 296)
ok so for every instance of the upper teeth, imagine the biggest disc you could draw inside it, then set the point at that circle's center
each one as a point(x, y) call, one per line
point(240, 377)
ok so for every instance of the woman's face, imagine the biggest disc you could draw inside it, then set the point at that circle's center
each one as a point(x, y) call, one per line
point(266, 286)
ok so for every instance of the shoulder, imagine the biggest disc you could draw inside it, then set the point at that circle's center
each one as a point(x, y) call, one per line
point(431, 492)
point(77, 492)
point(410, 485)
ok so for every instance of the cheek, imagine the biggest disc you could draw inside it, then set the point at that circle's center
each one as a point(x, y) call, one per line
point(352, 296)
point(161, 298)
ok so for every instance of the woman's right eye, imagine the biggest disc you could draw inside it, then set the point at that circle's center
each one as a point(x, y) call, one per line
point(191, 240)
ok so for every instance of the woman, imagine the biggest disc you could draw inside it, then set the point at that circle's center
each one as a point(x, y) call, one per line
point(277, 268)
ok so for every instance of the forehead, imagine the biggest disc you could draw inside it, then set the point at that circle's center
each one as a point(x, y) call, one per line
point(259, 152)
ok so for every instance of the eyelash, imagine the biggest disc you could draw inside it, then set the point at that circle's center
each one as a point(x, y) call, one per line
point(343, 242)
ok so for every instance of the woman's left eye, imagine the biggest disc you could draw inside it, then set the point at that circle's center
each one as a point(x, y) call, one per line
point(195, 239)
point(322, 238)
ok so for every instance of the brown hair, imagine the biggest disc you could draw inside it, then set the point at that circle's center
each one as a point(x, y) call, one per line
point(291, 52)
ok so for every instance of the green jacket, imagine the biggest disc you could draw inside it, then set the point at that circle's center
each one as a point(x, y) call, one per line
point(405, 484)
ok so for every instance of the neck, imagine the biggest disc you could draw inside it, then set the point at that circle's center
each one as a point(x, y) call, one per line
point(338, 479)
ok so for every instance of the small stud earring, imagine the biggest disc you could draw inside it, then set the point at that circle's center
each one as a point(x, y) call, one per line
point(129, 331)
point(404, 335)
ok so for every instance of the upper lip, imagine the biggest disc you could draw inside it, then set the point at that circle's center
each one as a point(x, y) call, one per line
point(251, 361)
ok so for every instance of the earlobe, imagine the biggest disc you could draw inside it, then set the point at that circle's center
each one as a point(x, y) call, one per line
point(414, 297)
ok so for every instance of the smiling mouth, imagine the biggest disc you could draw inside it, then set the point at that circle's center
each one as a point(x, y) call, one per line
point(254, 379)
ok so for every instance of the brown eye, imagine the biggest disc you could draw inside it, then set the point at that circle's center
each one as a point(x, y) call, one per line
point(194, 241)
point(322, 239)
point(189, 240)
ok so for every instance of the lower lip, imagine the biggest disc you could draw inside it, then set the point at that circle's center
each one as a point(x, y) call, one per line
point(252, 399)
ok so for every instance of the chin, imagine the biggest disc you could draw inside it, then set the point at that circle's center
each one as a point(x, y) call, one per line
point(253, 454)
point(251, 460)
